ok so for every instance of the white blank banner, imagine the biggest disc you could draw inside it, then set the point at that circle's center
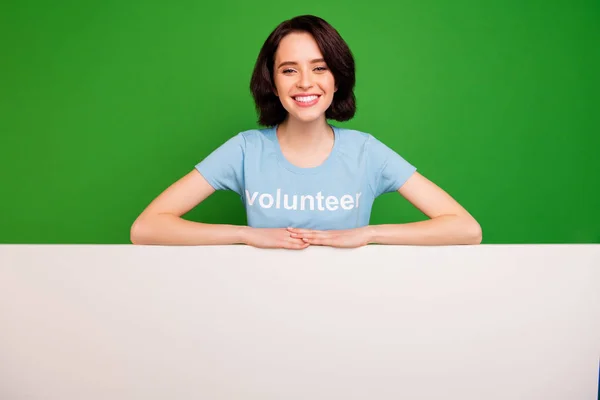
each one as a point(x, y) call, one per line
point(505, 322)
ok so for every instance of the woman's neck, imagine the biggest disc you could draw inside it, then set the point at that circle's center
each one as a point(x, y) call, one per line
point(305, 136)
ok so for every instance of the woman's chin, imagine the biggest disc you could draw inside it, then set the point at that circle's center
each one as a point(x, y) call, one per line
point(306, 117)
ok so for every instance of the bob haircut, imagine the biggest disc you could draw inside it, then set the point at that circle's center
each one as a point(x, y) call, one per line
point(338, 58)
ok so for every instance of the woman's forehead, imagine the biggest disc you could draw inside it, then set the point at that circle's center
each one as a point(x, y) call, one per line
point(298, 46)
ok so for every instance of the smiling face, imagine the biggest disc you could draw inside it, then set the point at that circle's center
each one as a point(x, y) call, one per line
point(303, 82)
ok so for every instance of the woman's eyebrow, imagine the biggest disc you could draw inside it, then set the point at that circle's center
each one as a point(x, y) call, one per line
point(314, 61)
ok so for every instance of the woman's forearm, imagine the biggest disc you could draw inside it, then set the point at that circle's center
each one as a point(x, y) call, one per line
point(168, 229)
point(442, 230)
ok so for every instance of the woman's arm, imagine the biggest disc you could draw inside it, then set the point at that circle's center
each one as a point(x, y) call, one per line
point(442, 230)
point(449, 222)
point(161, 222)
point(168, 229)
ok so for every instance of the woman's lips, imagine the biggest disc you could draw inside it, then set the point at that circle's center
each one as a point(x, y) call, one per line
point(306, 103)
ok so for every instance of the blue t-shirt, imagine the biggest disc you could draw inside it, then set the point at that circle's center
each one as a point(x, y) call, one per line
point(338, 194)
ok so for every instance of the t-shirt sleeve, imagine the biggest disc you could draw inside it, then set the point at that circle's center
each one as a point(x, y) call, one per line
point(388, 171)
point(224, 167)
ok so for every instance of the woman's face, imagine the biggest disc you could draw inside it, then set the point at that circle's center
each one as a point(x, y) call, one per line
point(303, 83)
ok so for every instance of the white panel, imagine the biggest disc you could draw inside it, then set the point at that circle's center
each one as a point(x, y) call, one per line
point(380, 322)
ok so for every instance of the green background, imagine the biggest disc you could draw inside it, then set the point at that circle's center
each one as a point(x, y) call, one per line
point(105, 104)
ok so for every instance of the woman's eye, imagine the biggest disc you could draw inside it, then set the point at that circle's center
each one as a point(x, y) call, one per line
point(290, 70)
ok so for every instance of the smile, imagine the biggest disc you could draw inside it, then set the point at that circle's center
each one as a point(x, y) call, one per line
point(306, 101)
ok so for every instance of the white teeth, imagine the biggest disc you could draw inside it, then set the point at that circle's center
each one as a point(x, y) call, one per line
point(305, 99)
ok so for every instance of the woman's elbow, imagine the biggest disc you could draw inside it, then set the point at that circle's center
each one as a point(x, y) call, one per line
point(475, 232)
point(136, 232)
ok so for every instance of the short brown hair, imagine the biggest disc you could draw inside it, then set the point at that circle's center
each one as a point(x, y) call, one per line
point(338, 58)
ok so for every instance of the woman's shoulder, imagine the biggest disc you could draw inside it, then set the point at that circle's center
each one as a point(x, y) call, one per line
point(249, 138)
point(256, 135)
point(356, 138)
point(354, 134)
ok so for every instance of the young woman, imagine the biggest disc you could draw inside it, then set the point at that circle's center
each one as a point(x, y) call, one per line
point(303, 181)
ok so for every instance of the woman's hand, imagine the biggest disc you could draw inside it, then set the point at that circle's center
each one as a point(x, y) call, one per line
point(273, 238)
point(347, 238)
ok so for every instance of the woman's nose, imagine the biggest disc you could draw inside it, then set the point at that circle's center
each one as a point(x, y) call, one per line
point(304, 81)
